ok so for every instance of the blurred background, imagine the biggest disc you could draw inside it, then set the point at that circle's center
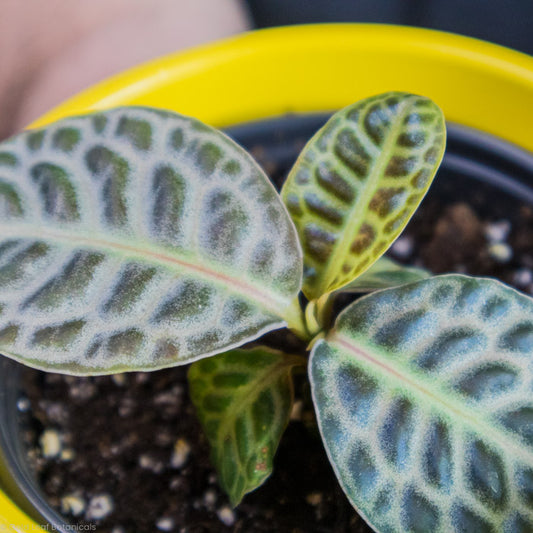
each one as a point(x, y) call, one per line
point(52, 49)
point(506, 22)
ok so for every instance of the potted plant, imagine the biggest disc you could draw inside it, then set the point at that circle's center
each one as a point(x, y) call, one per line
point(317, 317)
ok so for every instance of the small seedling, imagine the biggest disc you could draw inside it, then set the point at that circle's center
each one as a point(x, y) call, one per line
point(139, 239)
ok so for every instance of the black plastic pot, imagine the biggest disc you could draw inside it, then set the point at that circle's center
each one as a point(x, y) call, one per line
point(489, 174)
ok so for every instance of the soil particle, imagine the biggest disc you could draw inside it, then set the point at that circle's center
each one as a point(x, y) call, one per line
point(523, 277)
point(458, 238)
point(314, 499)
point(210, 498)
point(23, 404)
point(147, 462)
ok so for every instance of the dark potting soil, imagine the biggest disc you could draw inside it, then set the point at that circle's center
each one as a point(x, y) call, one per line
point(126, 452)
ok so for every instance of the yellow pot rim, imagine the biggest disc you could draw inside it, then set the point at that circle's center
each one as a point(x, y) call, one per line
point(320, 68)
point(324, 67)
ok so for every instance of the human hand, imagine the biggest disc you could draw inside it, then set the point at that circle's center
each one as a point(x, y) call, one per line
point(51, 50)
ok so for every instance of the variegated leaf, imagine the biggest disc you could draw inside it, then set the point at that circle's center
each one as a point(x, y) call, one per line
point(243, 399)
point(357, 183)
point(385, 273)
point(137, 239)
point(425, 404)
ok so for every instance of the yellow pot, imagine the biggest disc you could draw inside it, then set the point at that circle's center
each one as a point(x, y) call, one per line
point(320, 68)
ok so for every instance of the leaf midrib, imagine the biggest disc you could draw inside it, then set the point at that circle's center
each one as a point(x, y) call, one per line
point(356, 216)
point(469, 418)
point(148, 252)
point(252, 390)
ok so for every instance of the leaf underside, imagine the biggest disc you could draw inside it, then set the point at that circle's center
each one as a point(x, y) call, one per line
point(424, 401)
point(357, 183)
point(243, 399)
point(383, 274)
point(137, 239)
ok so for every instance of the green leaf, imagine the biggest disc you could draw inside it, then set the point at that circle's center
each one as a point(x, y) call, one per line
point(243, 399)
point(357, 183)
point(137, 239)
point(425, 405)
point(383, 274)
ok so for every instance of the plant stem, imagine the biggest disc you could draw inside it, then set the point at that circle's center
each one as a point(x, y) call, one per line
point(295, 319)
point(324, 308)
point(313, 326)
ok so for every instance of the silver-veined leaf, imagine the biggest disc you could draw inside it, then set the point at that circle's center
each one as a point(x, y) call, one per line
point(243, 399)
point(137, 239)
point(383, 274)
point(357, 183)
point(424, 401)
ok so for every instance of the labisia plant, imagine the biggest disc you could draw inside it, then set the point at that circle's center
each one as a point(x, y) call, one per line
point(138, 239)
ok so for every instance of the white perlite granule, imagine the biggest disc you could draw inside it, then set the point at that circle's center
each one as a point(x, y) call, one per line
point(226, 515)
point(165, 524)
point(403, 247)
point(50, 442)
point(72, 504)
point(181, 452)
point(501, 252)
point(498, 231)
point(100, 507)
